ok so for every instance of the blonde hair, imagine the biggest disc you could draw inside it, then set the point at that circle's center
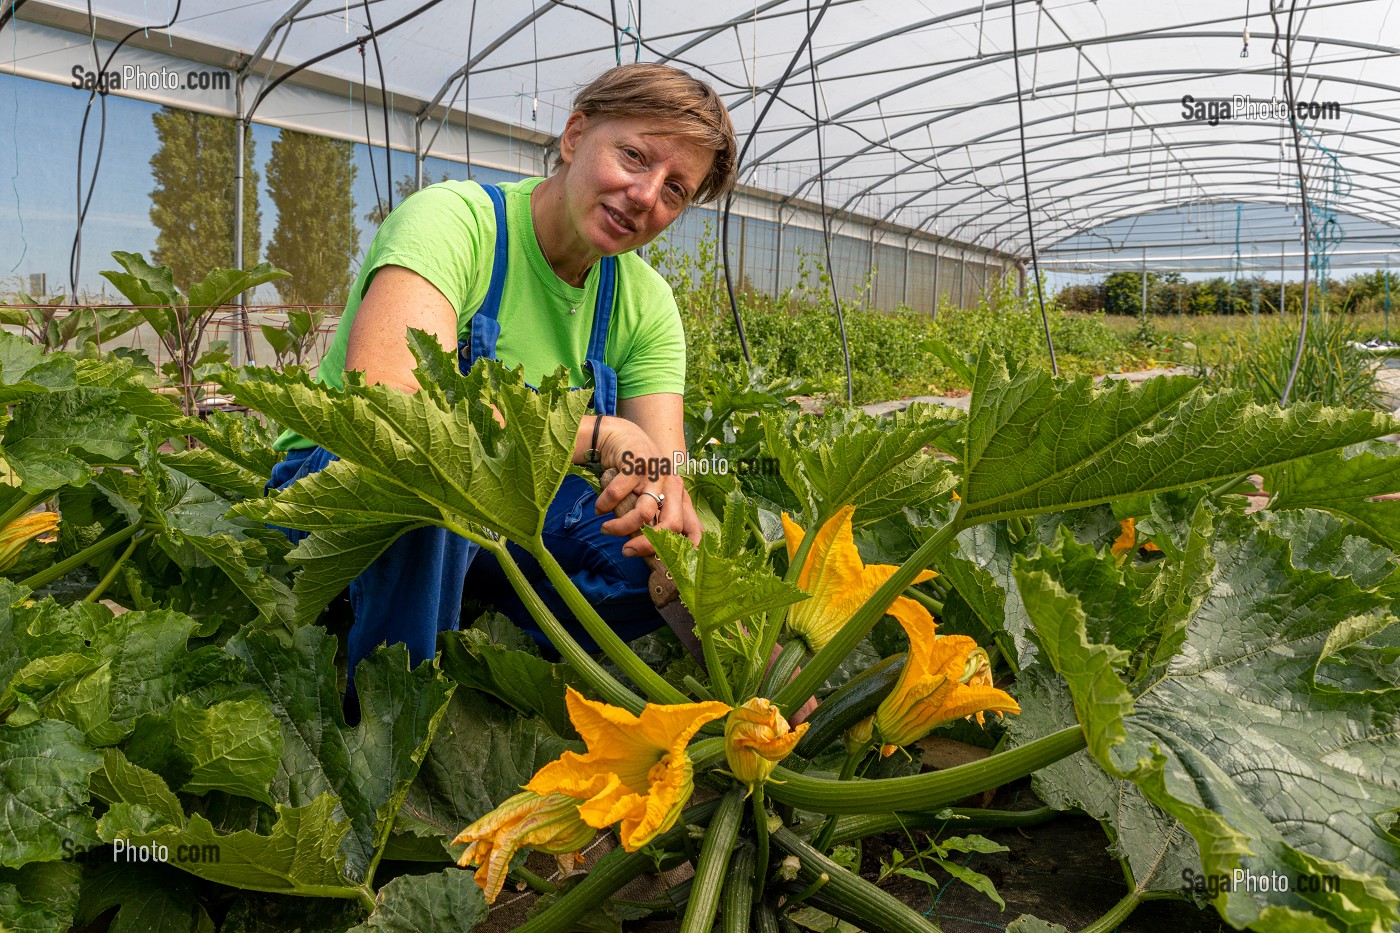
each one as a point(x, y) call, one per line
point(690, 108)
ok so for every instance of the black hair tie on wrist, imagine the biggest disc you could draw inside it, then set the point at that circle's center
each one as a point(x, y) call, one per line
point(592, 458)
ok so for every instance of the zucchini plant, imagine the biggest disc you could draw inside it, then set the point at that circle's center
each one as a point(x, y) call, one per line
point(1228, 706)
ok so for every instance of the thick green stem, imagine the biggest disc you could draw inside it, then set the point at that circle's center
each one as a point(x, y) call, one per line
point(111, 574)
point(613, 870)
point(696, 687)
point(848, 896)
point(652, 684)
point(849, 828)
point(817, 884)
point(923, 791)
point(22, 506)
point(928, 602)
point(718, 678)
point(533, 881)
point(589, 669)
point(848, 770)
point(821, 666)
point(774, 625)
point(1116, 914)
point(760, 832)
point(50, 574)
point(714, 858)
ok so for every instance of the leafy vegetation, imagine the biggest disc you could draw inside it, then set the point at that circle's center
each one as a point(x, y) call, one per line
point(168, 680)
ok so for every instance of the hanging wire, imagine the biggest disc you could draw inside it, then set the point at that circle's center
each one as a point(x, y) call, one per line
point(729, 198)
point(7, 14)
point(369, 142)
point(14, 136)
point(1289, 97)
point(383, 105)
point(826, 219)
point(75, 256)
point(1026, 182)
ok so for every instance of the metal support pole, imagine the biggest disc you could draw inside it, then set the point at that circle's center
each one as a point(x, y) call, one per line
point(1282, 276)
point(1144, 284)
point(937, 261)
point(778, 253)
point(904, 286)
point(962, 278)
point(418, 153)
point(239, 130)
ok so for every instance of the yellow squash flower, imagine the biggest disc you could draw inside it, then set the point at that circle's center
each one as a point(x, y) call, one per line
point(1127, 537)
point(636, 769)
point(839, 581)
point(944, 679)
point(18, 533)
point(756, 737)
point(526, 821)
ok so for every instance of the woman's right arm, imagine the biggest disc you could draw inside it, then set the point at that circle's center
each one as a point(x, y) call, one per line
point(400, 298)
point(397, 299)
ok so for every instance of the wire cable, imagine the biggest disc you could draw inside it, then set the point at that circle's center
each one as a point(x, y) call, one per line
point(7, 15)
point(1026, 182)
point(826, 219)
point(384, 106)
point(1288, 94)
point(743, 151)
point(369, 143)
point(315, 59)
point(83, 203)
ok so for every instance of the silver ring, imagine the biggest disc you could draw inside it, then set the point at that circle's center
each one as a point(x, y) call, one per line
point(660, 498)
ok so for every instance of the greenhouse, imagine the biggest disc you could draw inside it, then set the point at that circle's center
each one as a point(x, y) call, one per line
point(793, 465)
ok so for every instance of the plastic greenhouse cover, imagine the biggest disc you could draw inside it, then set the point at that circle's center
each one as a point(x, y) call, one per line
point(914, 101)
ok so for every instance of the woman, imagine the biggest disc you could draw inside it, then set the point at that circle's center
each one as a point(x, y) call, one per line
point(644, 141)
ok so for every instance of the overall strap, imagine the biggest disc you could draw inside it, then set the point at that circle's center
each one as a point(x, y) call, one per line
point(486, 327)
point(604, 377)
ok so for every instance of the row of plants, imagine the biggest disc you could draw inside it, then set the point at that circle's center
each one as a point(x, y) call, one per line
point(1120, 293)
point(169, 685)
point(894, 354)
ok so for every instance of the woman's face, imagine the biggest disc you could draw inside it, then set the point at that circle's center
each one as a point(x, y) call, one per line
point(627, 182)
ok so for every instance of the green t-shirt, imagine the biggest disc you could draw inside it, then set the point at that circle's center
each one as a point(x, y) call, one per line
point(447, 234)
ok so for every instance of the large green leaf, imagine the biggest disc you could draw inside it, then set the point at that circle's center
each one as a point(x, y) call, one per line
point(369, 768)
point(101, 672)
point(1269, 773)
point(483, 754)
point(1344, 482)
point(232, 746)
point(468, 470)
point(845, 457)
point(150, 897)
point(1158, 848)
point(39, 898)
point(721, 584)
point(52, 439)
point(302, 855)
point(523, 681)
point(221, 286)
point(1037, 445)
point(448, 900)
point(44, 812)
point(26, 370)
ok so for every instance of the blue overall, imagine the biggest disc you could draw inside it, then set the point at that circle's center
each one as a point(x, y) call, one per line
point(414, 589)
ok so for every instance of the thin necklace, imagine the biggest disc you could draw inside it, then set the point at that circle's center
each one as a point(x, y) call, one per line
point(573, 307)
